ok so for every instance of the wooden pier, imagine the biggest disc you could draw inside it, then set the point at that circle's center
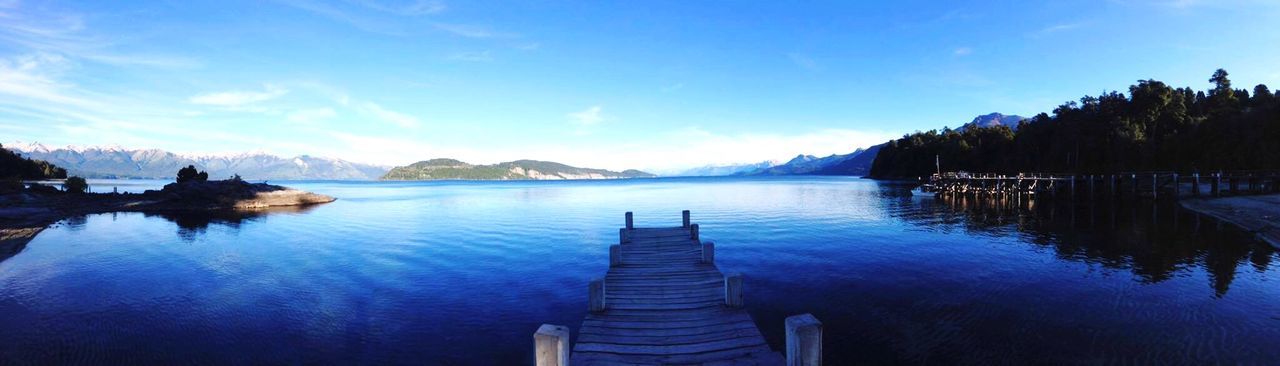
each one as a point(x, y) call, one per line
point(1153, 185)
point(664, 302)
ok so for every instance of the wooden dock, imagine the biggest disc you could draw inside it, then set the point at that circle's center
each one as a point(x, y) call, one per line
point(663, 301)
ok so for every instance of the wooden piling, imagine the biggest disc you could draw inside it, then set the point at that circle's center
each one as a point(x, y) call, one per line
point(596, 296)
point(709, 253)
point(733, 290)
point(804, 340)
point(1154, 188)
point(624, 236)
point(630, 224)
point(1195, 184)
point(693, 231)
point(615, 255)
point(551, 345)
point(684, 218)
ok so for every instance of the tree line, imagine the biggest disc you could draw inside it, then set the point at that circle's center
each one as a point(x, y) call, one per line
point(1153, 127)
point(16, 167)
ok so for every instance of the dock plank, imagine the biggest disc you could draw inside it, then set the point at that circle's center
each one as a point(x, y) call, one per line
point(665, 307)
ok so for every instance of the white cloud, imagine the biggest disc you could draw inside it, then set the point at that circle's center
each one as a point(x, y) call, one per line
point(305, 116)
point(238, 98)
point(963, 51)
point(588, 117)
point(399, 119)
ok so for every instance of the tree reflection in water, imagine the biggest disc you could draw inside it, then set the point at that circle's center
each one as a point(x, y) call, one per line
point(1152, 240)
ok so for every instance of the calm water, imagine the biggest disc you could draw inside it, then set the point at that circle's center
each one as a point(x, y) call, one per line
point(463, 273)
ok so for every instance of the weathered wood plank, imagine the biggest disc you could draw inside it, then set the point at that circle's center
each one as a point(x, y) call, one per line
point(666, 305)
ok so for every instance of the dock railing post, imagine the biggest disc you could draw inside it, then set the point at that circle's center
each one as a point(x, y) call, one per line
point(551, 345)
point(624, 236)
point(684, 215)
point(804, 340)
point(733, 290)
point(1195, 184)
point(630, 225)
point(693, 232)
point(1154, 189)
point(709, 253)
point(595, 294)
point(615, 255)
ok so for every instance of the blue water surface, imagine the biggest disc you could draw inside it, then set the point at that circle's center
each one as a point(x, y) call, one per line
point(464, 272)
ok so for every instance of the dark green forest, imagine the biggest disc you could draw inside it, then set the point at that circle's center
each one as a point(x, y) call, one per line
point(1154, 127)
point(16, 167)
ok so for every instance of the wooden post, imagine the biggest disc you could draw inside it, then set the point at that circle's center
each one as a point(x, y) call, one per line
point(595, 294)
point(1177, 187)
point(629, 223)
point(1090, 186)
point(1215, 185)
point(615, 255)
point(693, 232)
point(1154, 188)
point(708, 252)
point(733, 290)
point(551, 345)
point(1134, 178)
point(624, 236)
point(804, 340)
point(1073, 187)
point(1195, 184)
point(1113, 186)
point(685, 218)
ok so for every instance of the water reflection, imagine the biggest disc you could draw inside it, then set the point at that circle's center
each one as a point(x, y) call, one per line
point(193, 224)
point(1154, 241)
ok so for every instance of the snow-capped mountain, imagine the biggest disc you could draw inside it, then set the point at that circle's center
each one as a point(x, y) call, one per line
point(119, 162)
point(729, 169)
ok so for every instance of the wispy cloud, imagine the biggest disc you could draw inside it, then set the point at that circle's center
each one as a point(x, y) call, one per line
point(804, 61)
point(238, 98)
point(473, 31)
point(417, 8)
point(672, 87)
point(481, 56)
point(309, 116)
point(397, 118)
point(588, 117)
point(962, 51)
point(1056, 28)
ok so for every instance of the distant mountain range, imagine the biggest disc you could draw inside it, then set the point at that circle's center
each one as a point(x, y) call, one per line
point(729, 169)
point(992, 120)
point(118, 162)
point(446, 169)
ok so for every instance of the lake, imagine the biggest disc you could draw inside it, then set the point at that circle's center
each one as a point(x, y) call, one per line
point(464, 272)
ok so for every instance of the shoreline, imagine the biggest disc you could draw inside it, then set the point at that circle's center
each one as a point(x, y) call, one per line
point(26, 213)
point(1259, 215)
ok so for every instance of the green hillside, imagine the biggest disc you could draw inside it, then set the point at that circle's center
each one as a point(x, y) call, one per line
point(451, 169)
point(13, 166)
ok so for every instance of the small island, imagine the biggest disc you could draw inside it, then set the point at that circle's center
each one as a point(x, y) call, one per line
point(26, 209)
point(452, 169)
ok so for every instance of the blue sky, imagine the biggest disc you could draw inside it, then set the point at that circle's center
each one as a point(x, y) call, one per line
point(635, 84)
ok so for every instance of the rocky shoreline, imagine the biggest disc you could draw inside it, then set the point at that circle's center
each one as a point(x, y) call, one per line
point(25, 213)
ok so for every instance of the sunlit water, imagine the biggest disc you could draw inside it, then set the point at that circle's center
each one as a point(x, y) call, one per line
point(464, 272)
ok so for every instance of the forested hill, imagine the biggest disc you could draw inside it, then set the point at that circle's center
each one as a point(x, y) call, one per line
point(436, 169)
point(1153, 127)
point(13, 166)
